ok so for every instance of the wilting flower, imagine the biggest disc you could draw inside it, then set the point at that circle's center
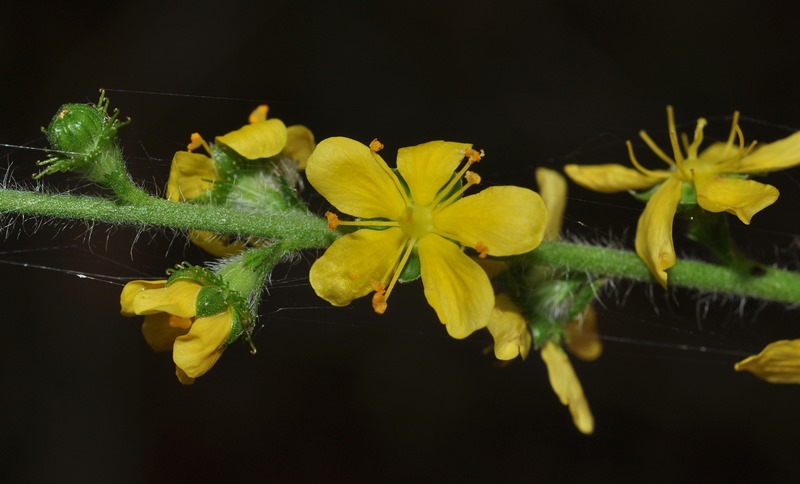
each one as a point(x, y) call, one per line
point(194, 176)
point(171, 322)
point(716, 178)
point(510, 328)
point(779, 362)
point(418, 211)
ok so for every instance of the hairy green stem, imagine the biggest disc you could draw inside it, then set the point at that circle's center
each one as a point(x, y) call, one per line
point(771, 284)
point(305, 231)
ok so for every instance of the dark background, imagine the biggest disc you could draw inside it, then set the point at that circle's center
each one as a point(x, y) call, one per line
point(341, 394)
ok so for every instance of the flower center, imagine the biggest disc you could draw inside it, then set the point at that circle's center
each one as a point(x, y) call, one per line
point(417, 222)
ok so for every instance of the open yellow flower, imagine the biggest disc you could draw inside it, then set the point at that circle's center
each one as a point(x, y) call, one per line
point(512, 336)
point(779, 362)
point(718, 176)
point(418, 210)
point(171, 323)
point(194, 175)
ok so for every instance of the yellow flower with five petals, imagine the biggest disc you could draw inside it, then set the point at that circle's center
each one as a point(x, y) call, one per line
point(418, 210)
point(171, 323)
point(718, 176)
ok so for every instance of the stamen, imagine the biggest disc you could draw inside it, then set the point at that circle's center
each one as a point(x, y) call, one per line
point(258, 114)
point(654, 147)
point(472, 178)
point(333, 221)
point(388, 171)
point(722, 167)
point(472, 157)
point(636, 164)
point(400, 266)
point(483, 251)
point(375, 145)
point(734, 125)
point(196, 141)
point(691, 151)
point(367, 223)
point(379, 299)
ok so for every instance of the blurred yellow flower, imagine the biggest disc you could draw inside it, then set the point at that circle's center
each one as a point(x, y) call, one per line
point(171, 323)
point(418, 210)
point(718, 176)
point(779, 362)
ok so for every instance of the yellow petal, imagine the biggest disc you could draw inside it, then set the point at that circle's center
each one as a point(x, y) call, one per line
point(354, 179)
point(612, 178)
point(507, 220)
point(718, 152)
point(183, 377)
point(455, 286)
point(509, 329)
point(263, 139)
point(654, 232)
point(779, 362)
point(582, 338)
point(492, 267)
point(299, 144)
point(133, 289)
point(566, 385)
point(197, 351)
point(216, 244)
point(428, 167)
point(191, 175)
point(160, 334)
point(553, 189)
point(780, 155)
point(743, 198)
point(177, 299)
point(346, 270)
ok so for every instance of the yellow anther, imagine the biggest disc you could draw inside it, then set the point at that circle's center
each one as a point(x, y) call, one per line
point(472, 178)
point(178, 322)
point(196, 141)
point(333, 221)
point(379, 299)
point(473, 155)
point(375, 145)
point(258, 114)
point(483, 251)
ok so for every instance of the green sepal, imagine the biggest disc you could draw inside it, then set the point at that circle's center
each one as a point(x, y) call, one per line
point(688, 194)
point(411, 271)
point(290, 195)
point(201, 275)
point(645, 195)
point(237, 329)
point(211, 300)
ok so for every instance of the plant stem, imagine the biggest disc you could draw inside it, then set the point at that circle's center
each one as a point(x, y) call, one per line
point(305, 231)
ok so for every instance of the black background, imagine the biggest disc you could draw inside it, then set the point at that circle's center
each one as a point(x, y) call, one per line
point(341, 394)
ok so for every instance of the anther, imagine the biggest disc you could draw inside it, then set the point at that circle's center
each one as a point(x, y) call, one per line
point(379, 298)
point(196, 141)
point(474, 156)
point(472, 178)
point(333, 221)
point(375, 145)
point(258, 114)
point(483, 251)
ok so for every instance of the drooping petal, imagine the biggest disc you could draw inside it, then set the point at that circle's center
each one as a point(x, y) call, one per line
point(553, 189)
point(133, 289)
point(507, 220)
point(197, 351)
point(613, 178)
point(216, 244)
point(780, 155)
point(654, 231)
point(191, 175)
point(455, 286)
point(160, 330)
point(354, 179)
point(346, 270)
point(743, 198)
point(299, 144)
point(428, 167)
point(582, 338)
point(566, 385)
point(177, 299)
point(779, 362)
point(263, 139)
point(509, 329)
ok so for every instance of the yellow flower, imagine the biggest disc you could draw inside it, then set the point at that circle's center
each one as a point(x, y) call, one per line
point(418, 210)
point(171, 322)
point(718, 176)
point(193, 175)
point(779, 362)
